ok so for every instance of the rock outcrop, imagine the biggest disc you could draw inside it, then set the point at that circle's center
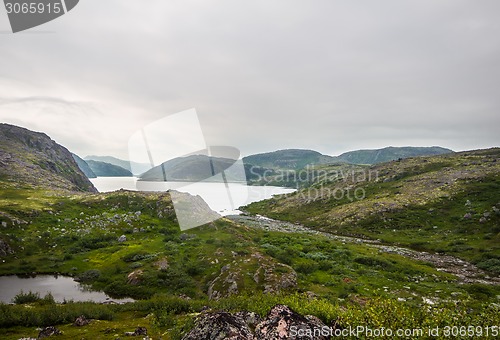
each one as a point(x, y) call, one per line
point(283, 323)
point(220, 326)
point(48, 331)
point(280, 323)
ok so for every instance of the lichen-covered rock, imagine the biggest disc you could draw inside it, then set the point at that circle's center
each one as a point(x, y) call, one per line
point(81, 321)
point(138, 332)
point(251, 319)
point(219, 326)
point(283, 323)
point(135, 277)
point(48, 331)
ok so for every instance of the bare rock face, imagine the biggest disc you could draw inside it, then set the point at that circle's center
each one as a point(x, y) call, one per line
point(81, 321)
point(135, 277)
point(220, 326)
point(283, 323)
point(48, 331)
point(139, 331)
point(32, 158)
point(280, 323)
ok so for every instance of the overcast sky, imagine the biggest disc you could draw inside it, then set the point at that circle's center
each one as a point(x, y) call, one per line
point(332, 76)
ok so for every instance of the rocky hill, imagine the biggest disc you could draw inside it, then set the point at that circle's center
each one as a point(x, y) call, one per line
point(32, 159)
point(290, 159)
point(389, 154)
point(103, 169)
point(134, 167)
point(193, 168)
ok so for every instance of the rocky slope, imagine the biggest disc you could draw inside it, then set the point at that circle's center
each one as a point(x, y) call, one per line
point(447, 203)
point(84, 167)
point(389, 154)
point(32, 159)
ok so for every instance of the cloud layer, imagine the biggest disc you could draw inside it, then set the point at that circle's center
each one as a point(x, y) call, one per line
point(263, 75)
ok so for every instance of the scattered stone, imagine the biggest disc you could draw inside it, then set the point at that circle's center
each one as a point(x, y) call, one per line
point(122, 239)
point(468, 216)
point(81, 321)
point(468, 203)
point(48, 331)
point(5, 249)
point(162, 264)
point(138, 331)
point(482, 219)
point(134, 278)
point(4, 224)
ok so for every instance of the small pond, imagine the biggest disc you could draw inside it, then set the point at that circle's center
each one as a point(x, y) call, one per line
point(61, 287)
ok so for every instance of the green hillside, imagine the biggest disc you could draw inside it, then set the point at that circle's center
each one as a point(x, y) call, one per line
point(290, 159)
point(389, 154)
point(103, 169)
point(448, 204)
point(129, 244)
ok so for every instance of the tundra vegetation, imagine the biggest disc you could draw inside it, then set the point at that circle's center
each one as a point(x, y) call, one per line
point(343, 261)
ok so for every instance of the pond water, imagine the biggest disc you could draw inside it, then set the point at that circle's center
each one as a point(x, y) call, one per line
point(60, 287)
point(221, 198)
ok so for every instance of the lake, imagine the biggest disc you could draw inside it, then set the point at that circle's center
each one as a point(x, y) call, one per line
point(220, 197)
point(61, 288)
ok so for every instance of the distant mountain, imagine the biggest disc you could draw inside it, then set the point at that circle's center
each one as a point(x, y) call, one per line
point(103, 169)
point(84, 166)
point(193, 168)
point(389, 154)
point(290, 159)
point(134, 167)
point(32, 159)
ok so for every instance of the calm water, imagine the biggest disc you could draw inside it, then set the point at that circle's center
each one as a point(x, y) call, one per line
point(221, 198)
point(60, 287)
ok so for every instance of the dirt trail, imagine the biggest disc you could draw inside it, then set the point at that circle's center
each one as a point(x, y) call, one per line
point(464, 271)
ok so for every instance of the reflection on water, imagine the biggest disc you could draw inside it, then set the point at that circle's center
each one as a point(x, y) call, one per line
point(61, 287)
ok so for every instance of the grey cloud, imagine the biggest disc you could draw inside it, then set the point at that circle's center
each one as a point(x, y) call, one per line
point(327, 75)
